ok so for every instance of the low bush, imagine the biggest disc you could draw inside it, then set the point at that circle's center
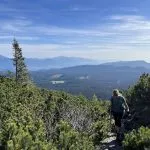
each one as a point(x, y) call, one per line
point(70, 139)
point(137, 140)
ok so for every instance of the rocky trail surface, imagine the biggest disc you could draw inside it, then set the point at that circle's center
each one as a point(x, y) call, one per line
point(110, 143)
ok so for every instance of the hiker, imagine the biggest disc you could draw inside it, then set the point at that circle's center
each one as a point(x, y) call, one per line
point(119, 107)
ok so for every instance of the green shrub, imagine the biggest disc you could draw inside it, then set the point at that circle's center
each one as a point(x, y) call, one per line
point(137, 140)
point(16, 136)
point(69, 139)
point(140, 92)
point(30, 118)
point(99, 131)
point(138, 97)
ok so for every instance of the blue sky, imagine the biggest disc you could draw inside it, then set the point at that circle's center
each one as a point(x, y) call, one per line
point(96, 29)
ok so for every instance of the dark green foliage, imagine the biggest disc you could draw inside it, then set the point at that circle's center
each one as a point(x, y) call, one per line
point(140, 93)
point(137, 140)
point(99, 131)
point(70, 139)
point(22, 75)
point(83, 115)
point(33, 118)
point(21, 116)
point(139, 99)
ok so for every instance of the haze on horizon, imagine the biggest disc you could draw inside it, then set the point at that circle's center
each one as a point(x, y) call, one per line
point(101, 30)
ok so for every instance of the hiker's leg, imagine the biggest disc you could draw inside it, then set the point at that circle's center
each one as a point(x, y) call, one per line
point(117, 122)
point(118, 125)
point(115, 118)
point(117, 129)
point(120, 134)
point(121, 120)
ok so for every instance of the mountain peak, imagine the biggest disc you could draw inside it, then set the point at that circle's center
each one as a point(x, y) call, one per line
point(134, 64)
point(3, 57)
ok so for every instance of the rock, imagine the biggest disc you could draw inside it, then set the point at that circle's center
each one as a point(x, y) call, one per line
point(110, 143)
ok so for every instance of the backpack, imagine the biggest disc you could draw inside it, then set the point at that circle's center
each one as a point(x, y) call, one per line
point(117, 103)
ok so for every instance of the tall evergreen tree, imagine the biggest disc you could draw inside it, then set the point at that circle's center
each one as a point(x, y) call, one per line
point(22, 75)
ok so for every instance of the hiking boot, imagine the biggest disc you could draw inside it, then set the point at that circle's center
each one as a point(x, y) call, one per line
point(118, 137)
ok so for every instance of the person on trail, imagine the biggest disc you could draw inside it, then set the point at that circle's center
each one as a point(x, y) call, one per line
point(119, 107)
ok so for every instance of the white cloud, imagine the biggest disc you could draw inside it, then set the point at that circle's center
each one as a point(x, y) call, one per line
point(15, 26)
point(53, 30)
point(130, 22)
point(76, 8)
point(129, 9)
point(19, 37)
point(124, 26)
point(121, 37)
point(27, 27)
point(126, 17)
point(105, 52)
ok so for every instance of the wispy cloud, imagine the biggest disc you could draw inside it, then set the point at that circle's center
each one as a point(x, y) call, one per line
point(77, 8)
point(19, 37)
point(126, 34)
point(17, 25)
point(107, 51)
point(131, 22)
point(129, 9)
point(118, 25)
point(27, 27)
point(126, 17)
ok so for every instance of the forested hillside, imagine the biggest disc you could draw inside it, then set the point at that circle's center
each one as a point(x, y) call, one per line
point(89, 79)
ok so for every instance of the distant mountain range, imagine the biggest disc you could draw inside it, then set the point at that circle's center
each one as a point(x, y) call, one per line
point(44, 64)
point(78, 75)
point(5, 63)
point(132, 64)
point(35, 64)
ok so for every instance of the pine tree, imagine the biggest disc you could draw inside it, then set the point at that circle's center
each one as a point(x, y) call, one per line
point(22, 75)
